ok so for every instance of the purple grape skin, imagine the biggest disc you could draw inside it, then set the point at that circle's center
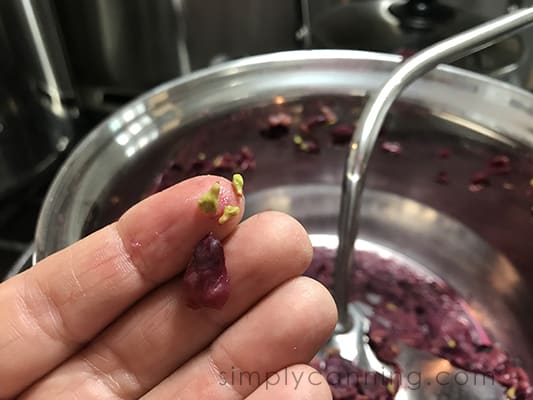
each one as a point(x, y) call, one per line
point(478, 182)
point(480, 178)
point(278, 126)
point(206, 282)
point(442, 178)
point(342, 134)
point(499, 165)
point(391, 147)
point(313, 121)
point(444, 153)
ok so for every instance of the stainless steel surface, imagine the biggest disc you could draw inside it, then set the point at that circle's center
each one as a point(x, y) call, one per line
point(354, 345)
point(239, 28)
point(32, 31)
point(467, 239)
point(36, 96)
point(304, 33)
point(371, 25)
point(120, 48)
point(181, 36)
point(32, 138)
point(371, 122)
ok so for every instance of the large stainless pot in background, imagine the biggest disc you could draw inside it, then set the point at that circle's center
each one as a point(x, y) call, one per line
point(117, 49)
point(407, 26)
point(120, 48)
point(479, 242)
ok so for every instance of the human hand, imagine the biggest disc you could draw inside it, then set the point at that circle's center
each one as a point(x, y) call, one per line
point(106, 318)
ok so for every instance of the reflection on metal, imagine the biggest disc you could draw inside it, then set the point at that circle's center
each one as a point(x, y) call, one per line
point(52, 74)
point(181, 39)
point(164, 108)
point(136, 144)
point(157, 98)
point(427, 377)
point(304, 33)
point(128, 115)
point(62, 143)
point(384, 11)
point(129, 136)
point(504, 277)
point(171, 125)
point(354, 345)
point(475, 127)
point(279, 100)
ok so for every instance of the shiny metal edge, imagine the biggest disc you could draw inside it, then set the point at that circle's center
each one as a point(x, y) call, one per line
point(95, 140)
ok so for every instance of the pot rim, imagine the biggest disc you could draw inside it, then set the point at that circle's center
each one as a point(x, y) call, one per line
point(95, 140)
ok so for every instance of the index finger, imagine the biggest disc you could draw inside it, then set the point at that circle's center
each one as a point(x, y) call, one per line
point(62, 302)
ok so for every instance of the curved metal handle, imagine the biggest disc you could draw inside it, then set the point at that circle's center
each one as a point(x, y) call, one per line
point(371, 121)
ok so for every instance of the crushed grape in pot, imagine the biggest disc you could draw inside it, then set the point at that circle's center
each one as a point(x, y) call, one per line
point(391, 147)
point(206, 282)
point(419, 312)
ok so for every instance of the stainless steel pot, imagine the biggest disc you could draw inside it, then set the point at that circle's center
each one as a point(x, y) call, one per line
point(37, 109)
point(394, 26)
point(118, 49)
point(479, 242)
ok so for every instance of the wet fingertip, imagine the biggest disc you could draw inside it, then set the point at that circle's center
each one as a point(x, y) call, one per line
point(218, 199)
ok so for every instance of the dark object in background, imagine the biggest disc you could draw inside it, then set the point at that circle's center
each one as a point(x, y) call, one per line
point(35, 126)
point(120, 48)
point(406, 27)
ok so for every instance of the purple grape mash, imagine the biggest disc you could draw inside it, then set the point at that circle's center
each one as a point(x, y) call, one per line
point(419, 312)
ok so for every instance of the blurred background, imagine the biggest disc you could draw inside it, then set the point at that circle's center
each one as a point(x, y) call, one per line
point(65, 65)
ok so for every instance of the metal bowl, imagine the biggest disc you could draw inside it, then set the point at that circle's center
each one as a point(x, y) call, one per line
point(479, 242)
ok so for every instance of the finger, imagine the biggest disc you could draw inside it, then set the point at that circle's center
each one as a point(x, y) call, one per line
point(299, 382)
point(286, 328)
point(159, 334)
point(61, 303)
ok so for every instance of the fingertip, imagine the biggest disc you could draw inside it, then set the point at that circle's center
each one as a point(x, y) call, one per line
point(320, 306)
point(227, 197)
point(284, 233)
point(163, 229)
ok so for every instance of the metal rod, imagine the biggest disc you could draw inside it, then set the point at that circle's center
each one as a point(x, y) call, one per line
point(181, 37)
point(371, 121)
point(306, 23)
